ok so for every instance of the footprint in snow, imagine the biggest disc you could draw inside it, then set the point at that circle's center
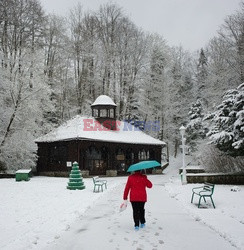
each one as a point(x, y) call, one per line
point(34, 242)
point(81, 230)
point(134, 242)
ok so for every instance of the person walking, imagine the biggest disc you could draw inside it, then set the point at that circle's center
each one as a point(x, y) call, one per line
point(136, 185)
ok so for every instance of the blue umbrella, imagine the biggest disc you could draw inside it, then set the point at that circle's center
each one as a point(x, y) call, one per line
point(143, 165)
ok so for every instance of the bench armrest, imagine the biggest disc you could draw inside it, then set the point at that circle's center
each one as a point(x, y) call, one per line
point(205, 191)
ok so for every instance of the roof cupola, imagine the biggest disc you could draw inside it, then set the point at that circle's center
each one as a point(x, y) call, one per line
point(104, 111)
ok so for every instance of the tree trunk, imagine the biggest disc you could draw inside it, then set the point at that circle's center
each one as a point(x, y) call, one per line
point(176, 147)
point(11, 119)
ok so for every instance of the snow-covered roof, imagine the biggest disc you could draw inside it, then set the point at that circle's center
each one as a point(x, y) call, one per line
point(104, 100)
point(82, 128)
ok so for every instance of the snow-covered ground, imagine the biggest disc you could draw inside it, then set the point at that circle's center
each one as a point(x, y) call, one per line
point(43, 214)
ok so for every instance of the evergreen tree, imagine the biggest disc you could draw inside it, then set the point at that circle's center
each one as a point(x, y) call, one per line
point(196, 130)
point(201, 77)
point(227, 132)
point(202, 67)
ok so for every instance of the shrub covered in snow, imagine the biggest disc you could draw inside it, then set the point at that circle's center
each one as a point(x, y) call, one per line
point(216, 161)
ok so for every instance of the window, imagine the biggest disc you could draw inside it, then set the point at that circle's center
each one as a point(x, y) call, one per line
point(93, 153)
point(111, 113)
point(95, 113)
point(143, 155)
point(120, 161)
point(103, 113)
point(120, 155)
point(58, 154)
point(96, 160)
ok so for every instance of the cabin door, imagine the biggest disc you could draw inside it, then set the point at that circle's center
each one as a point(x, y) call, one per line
point(96, 161)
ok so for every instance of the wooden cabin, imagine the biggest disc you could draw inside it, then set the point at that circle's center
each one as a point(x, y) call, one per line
point(101, 144)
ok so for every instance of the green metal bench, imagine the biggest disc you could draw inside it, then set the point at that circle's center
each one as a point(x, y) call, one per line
point(203, 192)
point(98, 184)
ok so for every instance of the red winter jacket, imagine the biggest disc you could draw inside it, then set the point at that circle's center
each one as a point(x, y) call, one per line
point(136, 185)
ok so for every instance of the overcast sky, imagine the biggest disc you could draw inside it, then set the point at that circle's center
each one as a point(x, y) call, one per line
point(190, 23)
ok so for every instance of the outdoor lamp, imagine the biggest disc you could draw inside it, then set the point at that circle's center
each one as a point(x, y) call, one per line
point(182, 130)
point(183, 176)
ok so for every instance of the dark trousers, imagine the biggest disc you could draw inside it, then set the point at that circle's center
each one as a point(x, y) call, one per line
point(138, 212)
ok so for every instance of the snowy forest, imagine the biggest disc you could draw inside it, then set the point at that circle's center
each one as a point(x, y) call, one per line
point(54, 67)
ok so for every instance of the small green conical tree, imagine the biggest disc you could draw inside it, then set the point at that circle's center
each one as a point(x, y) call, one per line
point(75, 178)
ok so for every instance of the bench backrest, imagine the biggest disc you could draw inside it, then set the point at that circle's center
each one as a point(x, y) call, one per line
point(209, 187)
point(95, 178)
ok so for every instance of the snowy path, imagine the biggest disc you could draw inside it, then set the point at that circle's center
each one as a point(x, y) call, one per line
point(168, 226)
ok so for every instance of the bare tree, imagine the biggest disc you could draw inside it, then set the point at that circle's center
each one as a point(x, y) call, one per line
point(57, 65)
point(232, 32)
point(83, 32)
point(20, 33)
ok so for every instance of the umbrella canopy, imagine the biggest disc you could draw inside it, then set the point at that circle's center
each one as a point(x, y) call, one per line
point(143, 165)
